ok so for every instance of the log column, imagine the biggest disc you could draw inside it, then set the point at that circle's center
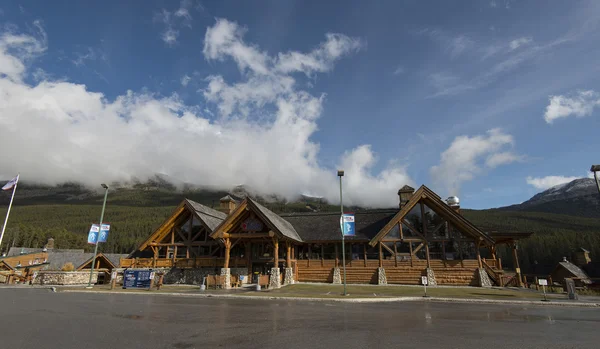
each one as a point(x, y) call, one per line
point(276, 252)
point(427, 252)
point(516, 261)
point(289, 255)
point(479, 254)
point(227, 250)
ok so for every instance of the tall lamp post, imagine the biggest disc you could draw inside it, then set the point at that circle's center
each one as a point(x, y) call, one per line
point(100, 228)
point(341, 174)
point(596, 168)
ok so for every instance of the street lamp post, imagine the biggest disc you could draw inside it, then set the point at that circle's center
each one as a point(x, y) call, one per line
point(100, 228)
point(341, 174)
point(596, 168)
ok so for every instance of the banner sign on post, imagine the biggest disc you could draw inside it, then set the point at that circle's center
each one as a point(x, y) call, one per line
point(347, 224)
point(103, 232)
point(93, 234)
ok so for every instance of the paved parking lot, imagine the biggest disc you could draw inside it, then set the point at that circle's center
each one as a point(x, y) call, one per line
point(39, 318)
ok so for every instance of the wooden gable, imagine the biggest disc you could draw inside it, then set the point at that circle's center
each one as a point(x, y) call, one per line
point(252, 220)
point(180, 215)
point(425, 196)
point(104, 262)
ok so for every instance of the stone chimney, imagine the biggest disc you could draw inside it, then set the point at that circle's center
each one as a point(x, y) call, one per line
point(454, 203)
point(50, 243)
point(404, 194)
point(227, 204)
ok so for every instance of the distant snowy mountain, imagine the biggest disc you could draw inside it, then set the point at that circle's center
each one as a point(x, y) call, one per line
point(581, 187)
point(577, 198)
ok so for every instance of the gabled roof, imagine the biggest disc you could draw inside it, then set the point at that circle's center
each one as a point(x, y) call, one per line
point(99, 256)
point(209, 217)
point(284, 227)
point(434, 202)
point(271, 219)
point(575, 271)
point(325, 226)
point(57, 260)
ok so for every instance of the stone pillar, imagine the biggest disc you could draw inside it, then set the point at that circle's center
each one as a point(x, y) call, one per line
point(484, 278)
point(274, 281)
point(226, 272)
point(431, 277)
point(337, 276)
point(288, 278)
point(381, 278)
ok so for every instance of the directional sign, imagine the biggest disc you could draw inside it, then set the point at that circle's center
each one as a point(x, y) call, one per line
point(424, 280)
point(104, 232)
point(543, 282)
point(93, 234)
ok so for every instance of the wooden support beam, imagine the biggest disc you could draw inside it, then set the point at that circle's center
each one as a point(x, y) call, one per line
point(418, 248)
point(276, 252)
point(427, 252)
point(479, 254)
point(288, 255)
point(337, 258)
point(516, 262)
point(365, 253)
point(227, 252)
point(322, 255)
point(395, 254)
point(411, 253)
point(412, 229)
point(380, 255)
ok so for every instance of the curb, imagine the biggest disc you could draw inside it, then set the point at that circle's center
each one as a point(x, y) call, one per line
point(356, 300)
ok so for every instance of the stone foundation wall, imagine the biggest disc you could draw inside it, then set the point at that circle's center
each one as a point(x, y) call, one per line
point(337, 277)
point(431, 281)
point(64, 278)
point(484, 278)
point(381, 278)
point(177, 276)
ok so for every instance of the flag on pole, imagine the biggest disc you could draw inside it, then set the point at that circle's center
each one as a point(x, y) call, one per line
point(11, 184)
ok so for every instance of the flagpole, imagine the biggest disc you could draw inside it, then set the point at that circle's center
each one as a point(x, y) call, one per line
point(8, 212)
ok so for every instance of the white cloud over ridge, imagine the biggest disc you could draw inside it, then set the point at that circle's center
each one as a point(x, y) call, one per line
point(548, 182)
point(60, 131)
point(466, 157)
point(579, 104)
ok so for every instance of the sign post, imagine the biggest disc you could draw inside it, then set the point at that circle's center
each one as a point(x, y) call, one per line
point(97, 235)
point(341, 174)
point(424, 281)
point(543, 283)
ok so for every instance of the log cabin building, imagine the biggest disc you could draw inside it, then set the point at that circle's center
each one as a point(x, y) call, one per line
point(424, 236)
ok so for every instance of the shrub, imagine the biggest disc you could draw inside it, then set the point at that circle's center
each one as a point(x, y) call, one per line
point(68, 267)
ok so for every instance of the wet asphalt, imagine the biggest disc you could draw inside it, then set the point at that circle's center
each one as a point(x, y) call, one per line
point(39, 318)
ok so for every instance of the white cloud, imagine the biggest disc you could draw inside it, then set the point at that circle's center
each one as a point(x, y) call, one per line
point(399, 70)
point(466, 156)
point(16, 50)
point(454, 45)
point(493, 4)
point(185, 80)
point(547, 182)
point(173, 19)
point(579, 104)
point(265, 143)
point(91, 54)
point(516, 43)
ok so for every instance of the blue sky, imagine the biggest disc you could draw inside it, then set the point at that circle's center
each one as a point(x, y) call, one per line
point(492, 101)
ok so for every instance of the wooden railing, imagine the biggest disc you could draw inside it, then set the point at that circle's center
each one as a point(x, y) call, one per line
point(496, 276)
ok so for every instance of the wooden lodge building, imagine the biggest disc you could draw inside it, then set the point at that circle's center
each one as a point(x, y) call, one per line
point(425, 236)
